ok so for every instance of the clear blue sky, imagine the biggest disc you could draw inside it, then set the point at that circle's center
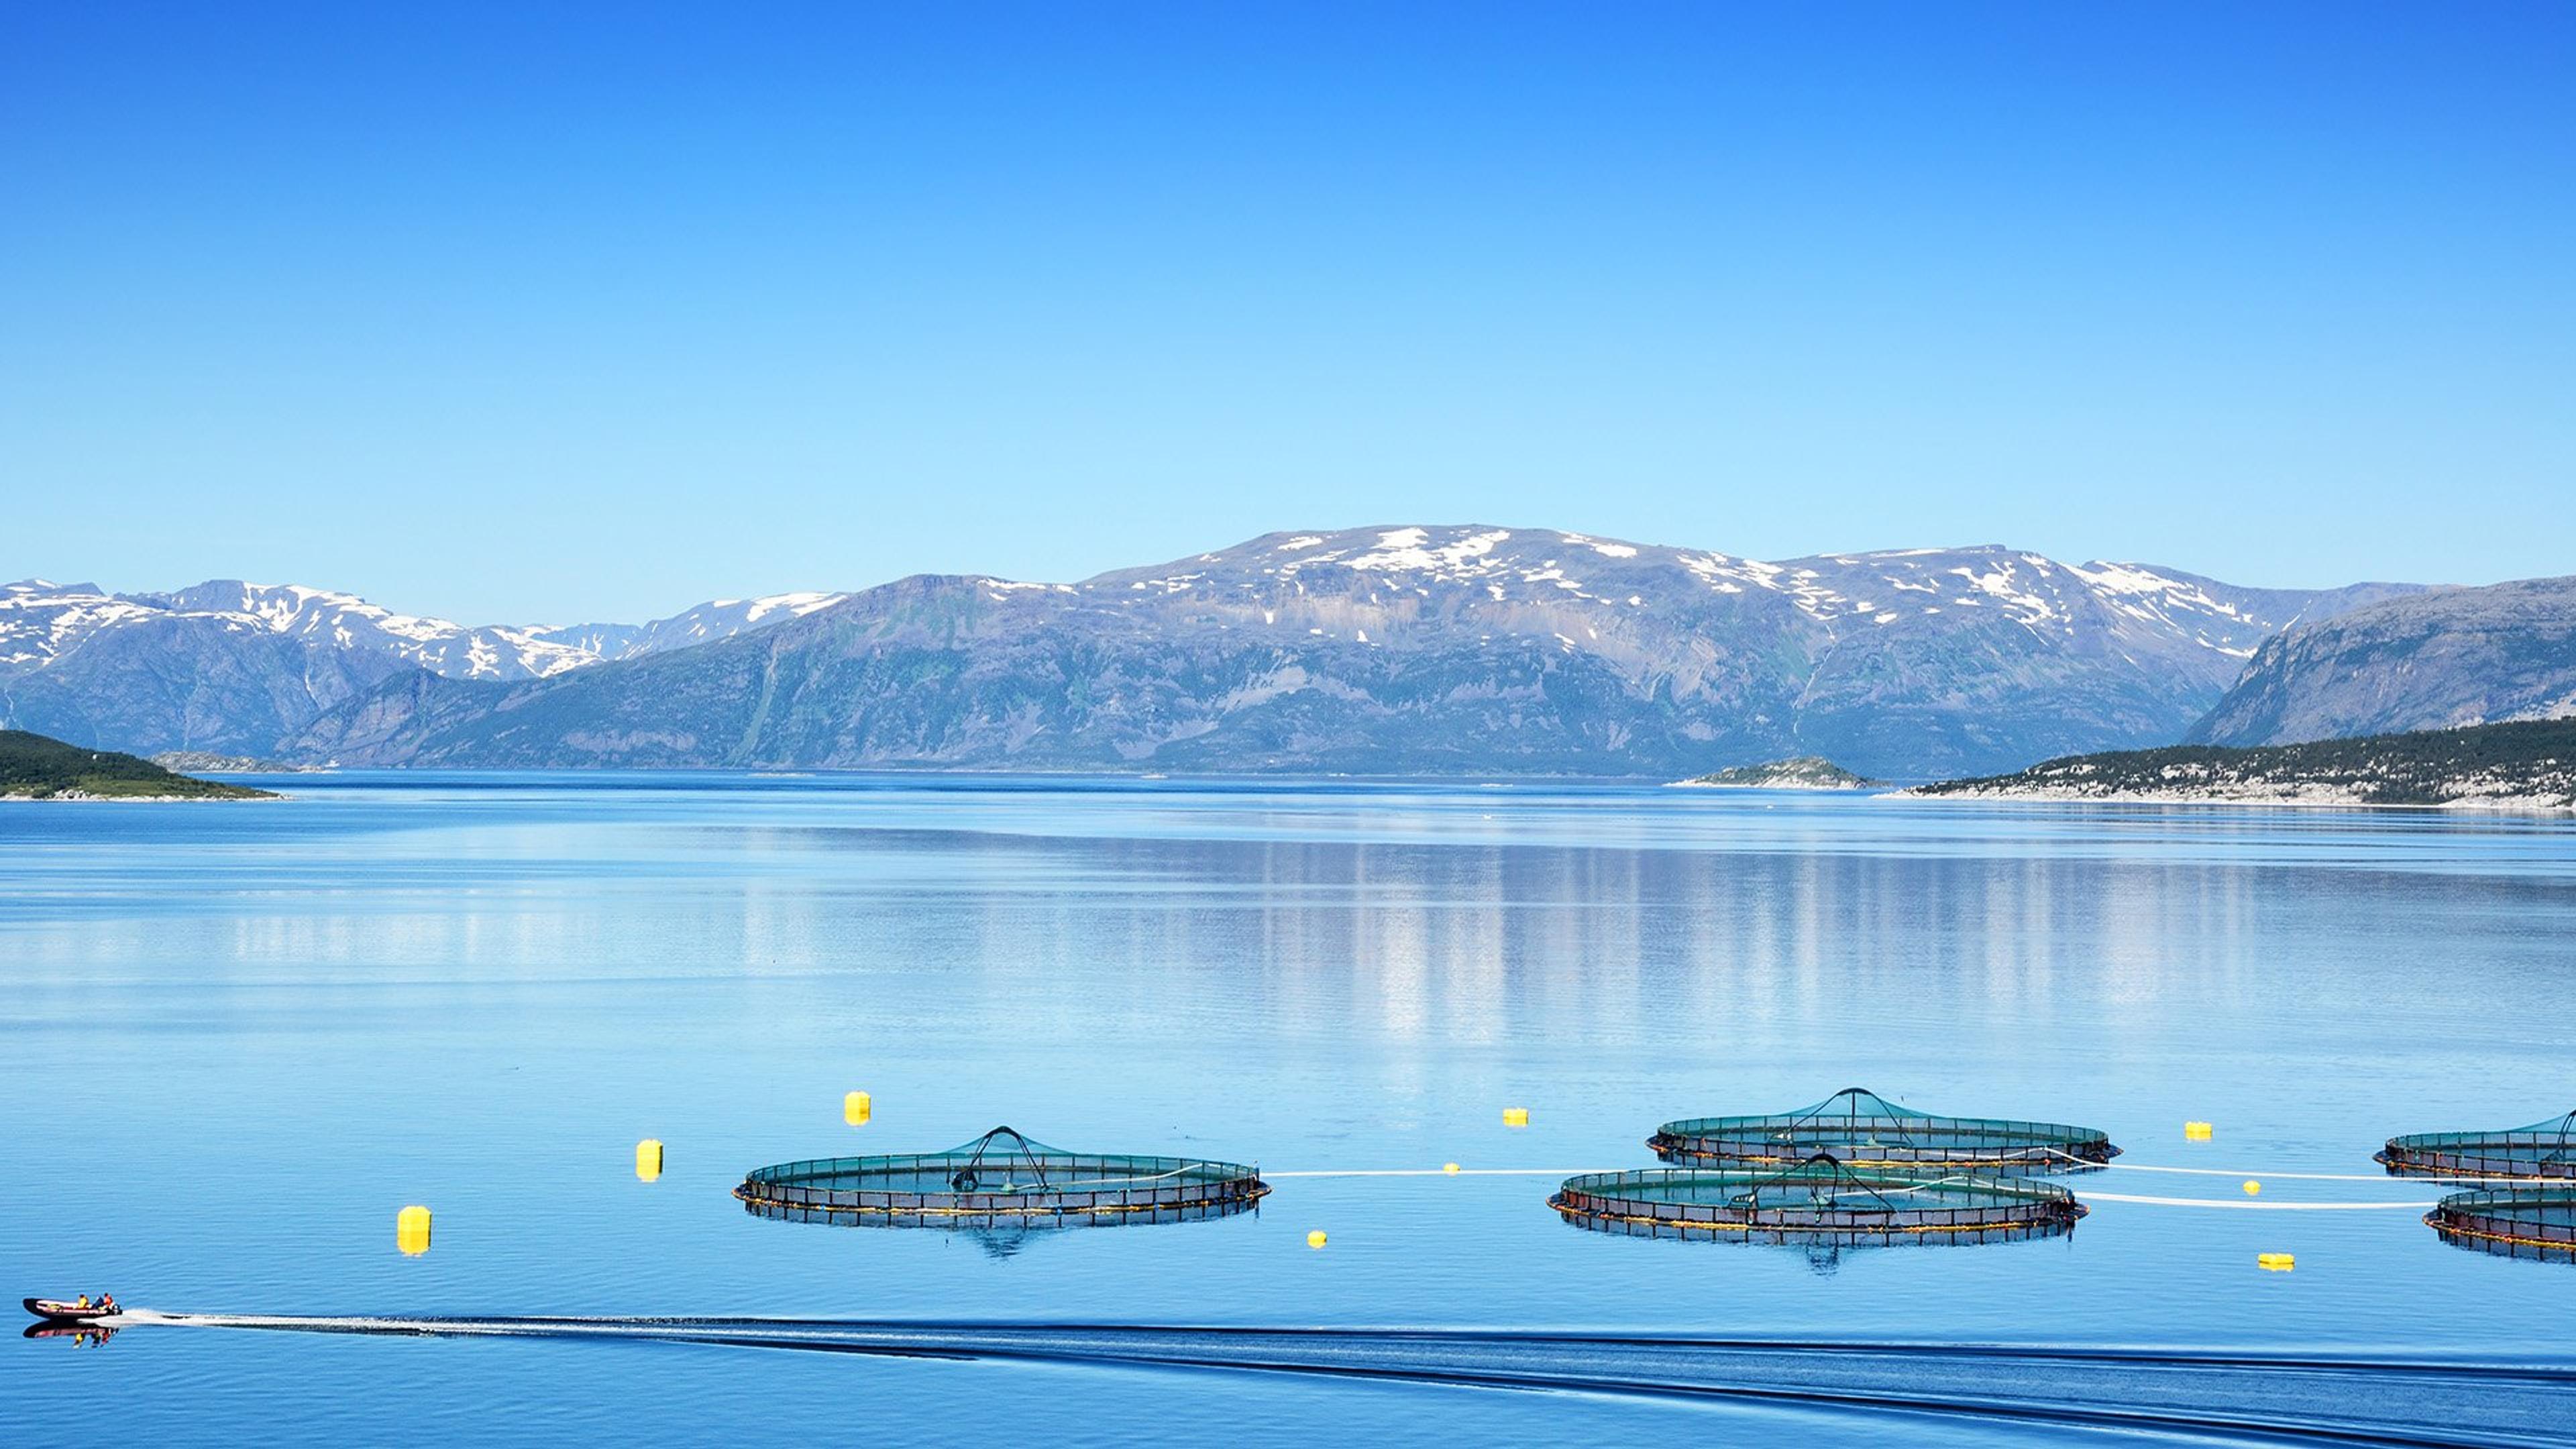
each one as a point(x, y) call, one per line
point(513, 314)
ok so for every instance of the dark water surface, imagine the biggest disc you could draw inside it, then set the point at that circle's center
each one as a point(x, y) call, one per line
point(235, 1039)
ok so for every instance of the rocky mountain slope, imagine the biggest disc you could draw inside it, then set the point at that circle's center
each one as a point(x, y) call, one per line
point(1465, 649)
point(2430, 661)
point(235, 667)
point(187, 681)
point(2528, 765)
point(42, 623)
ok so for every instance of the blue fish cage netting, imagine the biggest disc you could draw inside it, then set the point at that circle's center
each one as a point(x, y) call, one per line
point(2543, 1149)
point(1859, 1128)
point(1820, 1201)
point(2524, 1221)
point(1001, 1179)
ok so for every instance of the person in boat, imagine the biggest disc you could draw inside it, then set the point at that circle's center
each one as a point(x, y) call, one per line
point(83, 1303)
point(107, 1301)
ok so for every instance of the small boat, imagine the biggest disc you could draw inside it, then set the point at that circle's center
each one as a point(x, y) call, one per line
point(48, 1309)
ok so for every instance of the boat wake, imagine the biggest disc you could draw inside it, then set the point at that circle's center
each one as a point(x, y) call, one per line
point(2176, 1396)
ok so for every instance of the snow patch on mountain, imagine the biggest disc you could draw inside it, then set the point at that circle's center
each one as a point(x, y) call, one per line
point(41, 621)
point(704, 624)
point(349, 622)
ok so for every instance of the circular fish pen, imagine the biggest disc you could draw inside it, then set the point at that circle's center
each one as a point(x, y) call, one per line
point(1861, 1129)
point(1820, 1202)
point(1001, 1180)
point(2543, 1149)
point(2536, 1221)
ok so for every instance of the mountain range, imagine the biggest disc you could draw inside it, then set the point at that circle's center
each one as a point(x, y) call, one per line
point(237, 667)
point(1452, 649)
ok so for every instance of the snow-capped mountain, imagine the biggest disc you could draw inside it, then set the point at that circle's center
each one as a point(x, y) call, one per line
point(1848, 594)
point(715, 619)
point(231, 665)
point(1407, 649)
point(112, 671)
point(41, 620)
point(1399, 649)
point(346, 621)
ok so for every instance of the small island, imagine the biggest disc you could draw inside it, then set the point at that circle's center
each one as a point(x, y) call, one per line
point(1807, 772)
point(36, 767)
point(2528, 765)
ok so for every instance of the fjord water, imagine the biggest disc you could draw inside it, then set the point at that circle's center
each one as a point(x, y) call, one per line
point(235, 1039)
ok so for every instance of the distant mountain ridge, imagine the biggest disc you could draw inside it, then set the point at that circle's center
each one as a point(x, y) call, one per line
point(2436, 660)
point(235, 667)
point(1411, 649)
point(715, 619)
point(1400, 649)
point(40, 621)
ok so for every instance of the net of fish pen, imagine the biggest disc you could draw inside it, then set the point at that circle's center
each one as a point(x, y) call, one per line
point(2543, 1149)
point(1861, 1129)
point(1821, 1201)
point(2534, 1221)
point(1000, 1180)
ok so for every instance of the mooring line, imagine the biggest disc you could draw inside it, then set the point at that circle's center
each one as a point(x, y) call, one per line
point(2250, 1205)
point(2086, 1164)
point(2082, 1193)
point(2288, 1176)
point(1445, 1172)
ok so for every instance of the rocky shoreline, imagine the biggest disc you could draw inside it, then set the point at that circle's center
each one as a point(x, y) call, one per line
point(1807, 772)
point(2522, 766)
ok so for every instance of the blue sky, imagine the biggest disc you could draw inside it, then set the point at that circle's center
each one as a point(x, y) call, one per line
point(513, 313)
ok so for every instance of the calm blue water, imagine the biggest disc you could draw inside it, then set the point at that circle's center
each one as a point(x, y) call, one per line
point(235, 1039)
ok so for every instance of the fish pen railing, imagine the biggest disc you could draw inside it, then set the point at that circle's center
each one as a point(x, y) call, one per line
point(1818, 1201)
point(975, 1185)
point(2541, 1150)
point(1861, 1129)
point(2515, 1222)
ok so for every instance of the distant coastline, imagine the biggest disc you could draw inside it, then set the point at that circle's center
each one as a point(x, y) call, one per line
point(2520, 766)
point(34, 767)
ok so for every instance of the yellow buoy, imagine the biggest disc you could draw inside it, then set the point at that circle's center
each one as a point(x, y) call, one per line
point(1450, 1168)
point(411, 1231)
point(856, 1108)
point(1315, 1239)
point(1516, 1116)
point(2252, 1188)
point(2196, 1131)
point(648, 1158)
point(2275, 1262)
